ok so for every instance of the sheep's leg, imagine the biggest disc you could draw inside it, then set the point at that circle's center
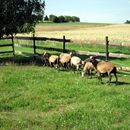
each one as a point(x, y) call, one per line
point(83, 73)
point(74, 69)
point(78, 70)
point(69, 65)
point(116, 77)
point(100, 76)
point(90, 72)
point(110, 77)
point(77, 67)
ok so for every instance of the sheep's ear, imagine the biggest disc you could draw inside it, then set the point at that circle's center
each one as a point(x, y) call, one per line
point(92, 57)
point(70, 53)
point(45, 53)
point(83, 62)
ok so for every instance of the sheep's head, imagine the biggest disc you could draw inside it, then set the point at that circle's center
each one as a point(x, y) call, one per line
point(92, 59)
point(70, 53)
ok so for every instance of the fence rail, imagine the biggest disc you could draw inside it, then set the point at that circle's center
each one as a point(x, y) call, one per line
point(34, 46)
point(3, 52)
point(4, 45)
point(42, 39)
point(63, 49)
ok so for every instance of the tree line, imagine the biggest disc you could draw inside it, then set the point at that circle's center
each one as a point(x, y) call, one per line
point(61, 19)
point(127, 22)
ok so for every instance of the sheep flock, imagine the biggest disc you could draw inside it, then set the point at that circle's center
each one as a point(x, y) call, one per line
point(87, 68)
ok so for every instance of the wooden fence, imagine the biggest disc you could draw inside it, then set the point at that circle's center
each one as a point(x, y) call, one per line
point(8, 45)
point(34, 46)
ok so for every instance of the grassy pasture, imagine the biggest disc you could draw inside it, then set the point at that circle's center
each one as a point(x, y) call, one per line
point(41, 98)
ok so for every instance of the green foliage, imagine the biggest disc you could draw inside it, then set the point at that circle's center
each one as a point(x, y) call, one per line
point(46, 18)
point(19, 15)
point(63, 19)
point(127, 22)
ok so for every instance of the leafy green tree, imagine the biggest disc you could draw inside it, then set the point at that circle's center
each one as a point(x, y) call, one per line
point(68, 18)
point(46, 18)
point(61, 19)
point(20, 15)
point(127, 22)
point(52, 17)
point(75, 19)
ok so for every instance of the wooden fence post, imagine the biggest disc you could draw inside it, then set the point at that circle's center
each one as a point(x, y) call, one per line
point(34, 44)
point(12, 38)
point(107, 47)
point(64, 43)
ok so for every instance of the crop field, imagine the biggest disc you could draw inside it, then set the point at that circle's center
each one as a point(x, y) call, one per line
point(35, 97)
point(118, 34)
point(92, 33)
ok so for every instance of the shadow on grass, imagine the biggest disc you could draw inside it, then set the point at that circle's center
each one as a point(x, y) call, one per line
point(83, 57)
point(24, 60)
point(16, 60)
point(123, 83)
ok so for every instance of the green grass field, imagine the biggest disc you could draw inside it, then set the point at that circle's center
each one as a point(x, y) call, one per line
point(42, 98)
point(34, 97)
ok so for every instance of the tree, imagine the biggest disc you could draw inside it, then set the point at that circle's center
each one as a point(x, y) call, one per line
point(20, 15)
point(75, 19)
point(68, 19)
point(127, 22)
point(53, 18)
point(46, 18)
point(61, 19)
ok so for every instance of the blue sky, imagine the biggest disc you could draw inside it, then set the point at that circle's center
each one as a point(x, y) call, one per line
point(114, 11)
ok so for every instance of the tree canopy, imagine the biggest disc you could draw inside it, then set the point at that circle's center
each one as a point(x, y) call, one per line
point(20, 15)
point(127, 22)
point(62, 19)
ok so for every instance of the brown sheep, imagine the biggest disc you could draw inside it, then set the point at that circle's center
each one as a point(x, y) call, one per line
point(54, 61)
point(104, 67)
point(87, 69)
point(45, 58)
point(65, 59)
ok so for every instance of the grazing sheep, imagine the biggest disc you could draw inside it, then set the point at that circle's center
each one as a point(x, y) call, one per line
point(54, 61)
point(76, 62)
point(45, 58)
point(87, 69)
point(65, 59)
point(65, 54)
point(104, 67)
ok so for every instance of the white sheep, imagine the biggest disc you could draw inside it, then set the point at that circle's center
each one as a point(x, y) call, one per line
point(76, 62)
